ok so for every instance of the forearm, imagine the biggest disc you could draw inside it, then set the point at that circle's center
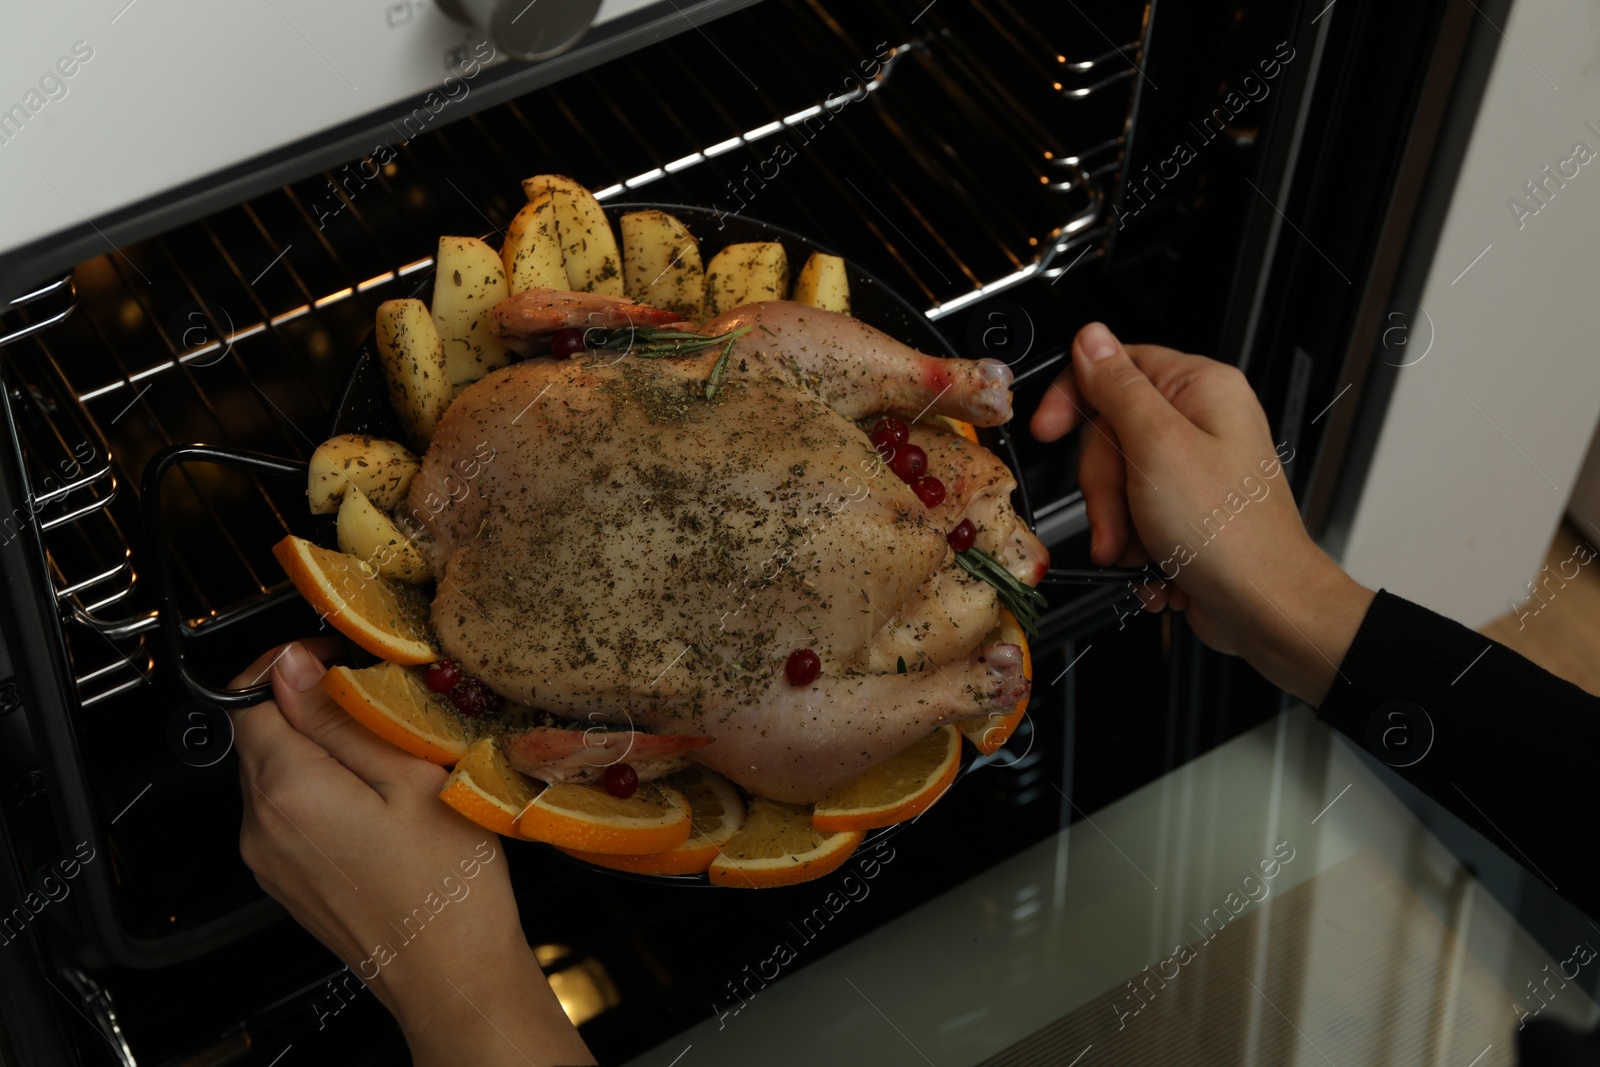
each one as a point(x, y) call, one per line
point(489, 1012)
point(1305, 628)
point(1500, 742)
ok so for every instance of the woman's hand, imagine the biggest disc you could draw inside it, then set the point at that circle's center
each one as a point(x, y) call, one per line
point(1179, 470)
point(347, 832)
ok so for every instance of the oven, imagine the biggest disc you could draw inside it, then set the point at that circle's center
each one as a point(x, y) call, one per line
point(1238, 179)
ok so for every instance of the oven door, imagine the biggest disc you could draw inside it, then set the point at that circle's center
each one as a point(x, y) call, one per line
point(1270, 901)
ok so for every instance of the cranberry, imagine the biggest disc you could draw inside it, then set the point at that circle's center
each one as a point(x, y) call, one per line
point(962, 536)
point(909, 463)
point(564, 344)
point(475, 700)
point(442, 676)
point(803, 667)
point(930, 491)
point(621, 780)
point(890, 431)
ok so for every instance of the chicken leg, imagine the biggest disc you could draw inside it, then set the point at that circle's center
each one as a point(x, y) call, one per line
point(799, 743)
point(860, 371)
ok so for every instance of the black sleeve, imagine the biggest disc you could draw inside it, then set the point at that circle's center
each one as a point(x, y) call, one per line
point(1505, 745)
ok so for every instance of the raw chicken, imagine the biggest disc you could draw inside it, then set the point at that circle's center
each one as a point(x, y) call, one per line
point(638, 555)
point(522, 320)
point(555, 755)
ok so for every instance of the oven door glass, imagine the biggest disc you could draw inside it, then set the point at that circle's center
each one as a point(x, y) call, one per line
point(1272, 901)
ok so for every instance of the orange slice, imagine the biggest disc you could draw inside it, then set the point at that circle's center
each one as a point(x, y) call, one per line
point(992, 731)
point(942, 422)
point(901, 787)
point(487, 789)
point(715, 808)
point(587, 818)
point(394, 704)
point(778, 846)
point(387, 618)
point(959, 428)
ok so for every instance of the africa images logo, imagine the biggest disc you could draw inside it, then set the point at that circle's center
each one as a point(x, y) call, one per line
point(1251, 90)
point(1399, 732)
point(52, 85)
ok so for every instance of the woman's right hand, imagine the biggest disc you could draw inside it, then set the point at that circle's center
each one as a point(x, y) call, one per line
point(1179, 470)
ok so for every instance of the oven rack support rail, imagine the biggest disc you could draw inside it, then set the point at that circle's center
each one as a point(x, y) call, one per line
point(58, 300)
point(79, 503)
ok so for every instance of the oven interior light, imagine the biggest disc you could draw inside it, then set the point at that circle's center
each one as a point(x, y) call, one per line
point(584, 990)
point(549, 954)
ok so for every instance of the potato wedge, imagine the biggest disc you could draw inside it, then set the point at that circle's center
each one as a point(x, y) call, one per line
point(468, 281)
point(741, 273)
point(823, 284)
point(414, 366)
point(370, 535)
point(381, 469)
point(588, 247)
point(661, 262)
point(531, 253)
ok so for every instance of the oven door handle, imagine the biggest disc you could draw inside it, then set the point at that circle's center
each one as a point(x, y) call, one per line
point(172, 628)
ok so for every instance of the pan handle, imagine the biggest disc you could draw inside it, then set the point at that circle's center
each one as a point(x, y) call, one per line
point(172, 628)
point(1099, 575)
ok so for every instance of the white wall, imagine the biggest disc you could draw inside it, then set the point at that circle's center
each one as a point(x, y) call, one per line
point(1583, 510)
point(1461, 501)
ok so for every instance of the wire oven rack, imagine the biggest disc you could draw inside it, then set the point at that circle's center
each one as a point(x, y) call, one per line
point(188, 313)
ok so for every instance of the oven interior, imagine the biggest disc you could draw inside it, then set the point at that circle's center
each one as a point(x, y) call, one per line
point(977, 173)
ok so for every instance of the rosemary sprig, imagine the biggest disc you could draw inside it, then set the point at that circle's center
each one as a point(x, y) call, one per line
point(651, 342)
point(1024, 602)
point(719, 371)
